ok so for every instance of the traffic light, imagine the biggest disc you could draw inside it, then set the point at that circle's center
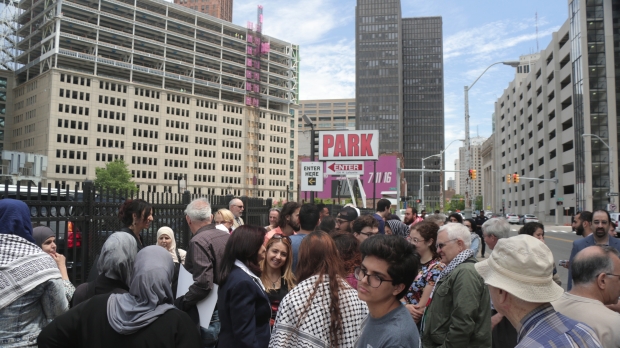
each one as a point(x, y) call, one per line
point(515, 178)
point(508, 176)
point(474, 174)
point(418, 200)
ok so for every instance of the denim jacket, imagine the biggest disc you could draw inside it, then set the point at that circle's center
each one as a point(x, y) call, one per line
point(22, 321)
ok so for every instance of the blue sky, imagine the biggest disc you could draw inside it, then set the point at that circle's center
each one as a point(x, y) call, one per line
point(476, 34)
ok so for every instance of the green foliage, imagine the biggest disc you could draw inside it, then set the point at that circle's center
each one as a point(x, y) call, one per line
point(478, 203)
point(115, 176)
point(456, 203)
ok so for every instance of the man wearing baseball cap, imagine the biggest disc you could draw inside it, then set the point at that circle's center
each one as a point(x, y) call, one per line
point(519, 274)
point(345, 218)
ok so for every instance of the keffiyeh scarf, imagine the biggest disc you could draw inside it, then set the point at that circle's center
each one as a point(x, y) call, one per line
point(23, 266)
point(398, 228)
point(459, 259)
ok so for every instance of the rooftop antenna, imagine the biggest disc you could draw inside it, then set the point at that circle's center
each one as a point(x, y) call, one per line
point(537, 50)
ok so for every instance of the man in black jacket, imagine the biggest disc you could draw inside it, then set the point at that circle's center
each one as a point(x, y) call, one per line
point(204, 255)
point(480, 219)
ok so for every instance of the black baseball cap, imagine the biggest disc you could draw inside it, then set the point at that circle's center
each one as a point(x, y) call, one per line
point(348, 214)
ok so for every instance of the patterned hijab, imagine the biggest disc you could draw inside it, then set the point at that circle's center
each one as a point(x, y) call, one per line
point(117, 257)
point(23, 265)
point(150, 292)
point(398, 228)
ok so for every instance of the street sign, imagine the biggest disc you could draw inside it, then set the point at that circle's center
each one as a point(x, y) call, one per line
point(345, 168)
point(560, 199)
point(348, 145)
point(612, 194)
point(312, 176)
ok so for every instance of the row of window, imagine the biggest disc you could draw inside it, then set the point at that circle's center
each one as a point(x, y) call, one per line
point(73, 109)
point(175, 150)
point(110, 129)
point(175, 163)
point(204, 153)
point(177, 137)
point(145, 147)
point(206, 116)
point(178, 98)
point(206, 129)
point(204, 178)
point(231, 156)
point(111, 143)
point(108, 157)
point(145, 106)
point(232, 120)
point(144, 160)
point(276, 128)
point(204, 165)
point(147, 120)
point(74, 94)
point(177, 124)
point(231, 168)
point(175, 111)
point(205, 141)
point(65, 169)
point(274, 149)
point(230, 180)
point(231, 144)
point(72, 124)
point(71, 154)
point(144, 133)
point(112, 101)
point(206, 104)
point(142, 92)
point(112, 115)
point(76, 80)
point(111, 86)
point(71, 139)
point(143, 174)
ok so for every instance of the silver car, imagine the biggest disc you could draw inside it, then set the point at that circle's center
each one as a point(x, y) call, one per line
point(527, 218)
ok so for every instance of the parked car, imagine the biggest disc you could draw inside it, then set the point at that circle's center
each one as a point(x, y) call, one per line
point(527, 218)
point(513, 218)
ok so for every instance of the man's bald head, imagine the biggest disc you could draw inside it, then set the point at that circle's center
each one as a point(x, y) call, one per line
point(590, 262)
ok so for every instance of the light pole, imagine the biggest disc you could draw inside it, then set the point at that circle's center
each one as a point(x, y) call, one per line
point(422, 176)
point(441, 178)
point(513, 64)
point(308, 121)
point(611, 177)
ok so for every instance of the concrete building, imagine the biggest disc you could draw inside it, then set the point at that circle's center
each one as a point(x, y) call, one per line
point(487, 177)
point(535, 135)
point(174, 92)
point(457, 177)
point(399, 88)
point(6, 106)
point(451, 184)
point(222, 9)
point(476, 163)
point(325, 114)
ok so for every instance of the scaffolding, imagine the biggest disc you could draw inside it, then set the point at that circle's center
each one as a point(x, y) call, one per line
point(8, 36)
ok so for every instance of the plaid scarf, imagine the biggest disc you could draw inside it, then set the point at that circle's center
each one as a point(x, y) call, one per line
point(23, 266)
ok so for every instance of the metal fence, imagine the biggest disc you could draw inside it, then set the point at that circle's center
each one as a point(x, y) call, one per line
point(83, 219)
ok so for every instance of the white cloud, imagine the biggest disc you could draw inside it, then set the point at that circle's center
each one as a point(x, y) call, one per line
point(328, 70)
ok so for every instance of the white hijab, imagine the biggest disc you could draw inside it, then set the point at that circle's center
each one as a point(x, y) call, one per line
point(173, 244)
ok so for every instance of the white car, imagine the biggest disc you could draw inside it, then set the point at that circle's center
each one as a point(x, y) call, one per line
point(528, 218)
point(513, 218)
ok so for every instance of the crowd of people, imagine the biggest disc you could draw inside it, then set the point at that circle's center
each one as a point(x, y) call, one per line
point(311, 280)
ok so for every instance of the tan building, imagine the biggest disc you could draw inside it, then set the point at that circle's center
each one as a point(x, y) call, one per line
point(6, 95)
point(222, 9)
point(216, 113)
point(487, 177)
point(325, 114)
point(476, 163)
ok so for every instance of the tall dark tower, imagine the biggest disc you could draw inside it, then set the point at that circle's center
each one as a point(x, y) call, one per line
point(399, 88)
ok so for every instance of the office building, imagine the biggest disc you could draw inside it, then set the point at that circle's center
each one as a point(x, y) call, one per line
point(399, 88)
point(222, 9)
point(487, 177)
point(457, 177)
point(6, 96)
point(476, 164)
point(175, 93)
point(451, 184)
point(325, 114)
point(535, 134)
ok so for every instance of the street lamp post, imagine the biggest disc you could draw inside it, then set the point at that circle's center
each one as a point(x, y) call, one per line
point(308, 122)
point(467, 139)
point(611, 157)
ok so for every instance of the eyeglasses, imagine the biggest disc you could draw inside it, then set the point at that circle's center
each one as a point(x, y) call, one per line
point(368, 234)
point(341, 221)
point(611, 274)
point(414, 240)
point(239, 206)
point(280, 236)
point(372, 280)
point(443, 245)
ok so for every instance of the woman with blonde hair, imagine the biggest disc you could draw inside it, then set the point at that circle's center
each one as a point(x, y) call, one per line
point(225, 218)
point(165, 239)
point(277, 271)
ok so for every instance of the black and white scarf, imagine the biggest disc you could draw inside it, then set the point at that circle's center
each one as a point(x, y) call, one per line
point(23, 266)
point(459, 259)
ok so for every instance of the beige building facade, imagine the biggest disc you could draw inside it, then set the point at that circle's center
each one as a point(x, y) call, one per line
point(325, 114)
point(487, 175)
point(476, 163)
point(204, 100)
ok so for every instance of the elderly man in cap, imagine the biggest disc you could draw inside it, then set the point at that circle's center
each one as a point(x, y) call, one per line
point(345, 219)
point(595, 284)
point(519, 274)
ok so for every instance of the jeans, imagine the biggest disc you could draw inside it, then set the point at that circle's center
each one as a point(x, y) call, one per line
point(210, 335)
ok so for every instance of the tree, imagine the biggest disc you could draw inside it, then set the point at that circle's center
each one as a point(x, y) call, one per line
point(115, 176)
point(478, 203)
point(457, 202)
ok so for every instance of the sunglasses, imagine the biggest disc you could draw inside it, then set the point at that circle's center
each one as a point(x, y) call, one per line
point(280, 236)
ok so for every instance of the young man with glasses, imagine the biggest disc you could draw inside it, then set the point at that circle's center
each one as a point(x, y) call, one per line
point(365, 227)
point(345, 218)
point(383, 278)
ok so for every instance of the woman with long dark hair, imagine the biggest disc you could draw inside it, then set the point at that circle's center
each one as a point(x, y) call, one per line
point(322, 310)
point(277, 271)
point(475, 239)
point(135, 215)
point(243, 305)
point(424, 236)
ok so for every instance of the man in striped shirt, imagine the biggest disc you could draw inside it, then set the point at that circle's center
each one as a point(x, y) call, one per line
point(519, 274)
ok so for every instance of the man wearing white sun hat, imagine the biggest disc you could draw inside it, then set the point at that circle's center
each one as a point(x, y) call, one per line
point(519, 274)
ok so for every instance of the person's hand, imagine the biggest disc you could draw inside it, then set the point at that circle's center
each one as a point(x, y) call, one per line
point(416, 312)
point(60, 259)
point(496, 319)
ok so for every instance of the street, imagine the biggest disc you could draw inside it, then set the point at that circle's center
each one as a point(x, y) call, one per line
point(560, 240)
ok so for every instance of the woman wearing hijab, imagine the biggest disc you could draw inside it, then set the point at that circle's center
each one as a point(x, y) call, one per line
point(144, 317)
point(165, 238)
point(242, 303)
point(397, 228)
point(115, 265)
point(45, 238)
point(32, 292)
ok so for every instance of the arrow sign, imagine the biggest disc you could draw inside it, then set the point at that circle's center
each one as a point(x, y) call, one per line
point(345, 168)
point(312, 176)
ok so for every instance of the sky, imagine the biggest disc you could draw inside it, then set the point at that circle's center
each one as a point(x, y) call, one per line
point(476, 34)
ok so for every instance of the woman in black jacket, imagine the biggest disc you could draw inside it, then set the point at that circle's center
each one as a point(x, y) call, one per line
point(243, 305)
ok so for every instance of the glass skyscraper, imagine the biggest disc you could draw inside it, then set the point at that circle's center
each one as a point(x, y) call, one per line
point(399, 88)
